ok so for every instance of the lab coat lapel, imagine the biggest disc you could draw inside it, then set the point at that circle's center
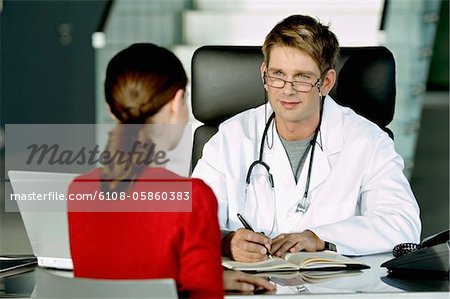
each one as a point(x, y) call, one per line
point(285, 186)
point(320, 169)
point(279, 161)
point(329, 142)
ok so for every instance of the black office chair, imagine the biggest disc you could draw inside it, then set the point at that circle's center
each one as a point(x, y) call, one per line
point(226, 80)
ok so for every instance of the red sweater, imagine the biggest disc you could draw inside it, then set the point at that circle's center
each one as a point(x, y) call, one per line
point(184, 246)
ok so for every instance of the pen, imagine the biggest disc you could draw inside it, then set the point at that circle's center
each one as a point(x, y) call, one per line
point(249, 227)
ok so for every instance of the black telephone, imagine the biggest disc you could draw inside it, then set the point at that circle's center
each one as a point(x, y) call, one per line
point(431, 257)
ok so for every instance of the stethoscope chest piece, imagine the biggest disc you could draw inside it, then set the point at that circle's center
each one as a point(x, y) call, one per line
point(303, 206)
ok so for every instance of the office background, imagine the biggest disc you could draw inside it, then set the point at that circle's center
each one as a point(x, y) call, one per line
point(53, 56)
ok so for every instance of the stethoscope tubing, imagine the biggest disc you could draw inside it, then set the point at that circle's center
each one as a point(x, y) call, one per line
point(267, 167)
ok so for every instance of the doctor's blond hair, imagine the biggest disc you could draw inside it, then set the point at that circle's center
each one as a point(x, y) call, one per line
point(306, 34)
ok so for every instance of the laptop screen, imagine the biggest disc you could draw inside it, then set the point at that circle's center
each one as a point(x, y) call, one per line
point(47, 230)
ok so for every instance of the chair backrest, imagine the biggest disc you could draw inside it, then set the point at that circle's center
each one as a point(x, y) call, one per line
point(226, 80)
point(62, 284)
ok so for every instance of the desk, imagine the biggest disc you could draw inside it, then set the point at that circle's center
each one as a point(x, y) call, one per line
point(370, 283)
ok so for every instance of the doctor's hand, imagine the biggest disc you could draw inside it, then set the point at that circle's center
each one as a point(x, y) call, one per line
point(246, 246)
point(294, 242)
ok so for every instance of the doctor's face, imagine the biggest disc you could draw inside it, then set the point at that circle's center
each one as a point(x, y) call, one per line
point(293, 104)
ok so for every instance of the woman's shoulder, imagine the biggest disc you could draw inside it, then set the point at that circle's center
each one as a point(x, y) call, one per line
point(203, 196)
point(198, 185)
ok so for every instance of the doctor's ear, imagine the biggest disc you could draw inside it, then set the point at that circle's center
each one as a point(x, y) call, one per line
point(328, 82)
point(263, 74)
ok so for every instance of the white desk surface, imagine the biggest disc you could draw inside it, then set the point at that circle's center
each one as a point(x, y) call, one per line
point(371, 283)
point(368, 284)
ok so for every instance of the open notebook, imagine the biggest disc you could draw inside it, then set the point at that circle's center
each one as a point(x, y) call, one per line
point(322, 260)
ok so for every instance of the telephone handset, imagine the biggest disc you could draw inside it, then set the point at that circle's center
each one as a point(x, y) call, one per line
point(431, 256)
point(436, 239)
point(405, 248)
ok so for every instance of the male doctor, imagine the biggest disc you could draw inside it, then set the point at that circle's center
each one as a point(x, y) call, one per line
point(306, 173)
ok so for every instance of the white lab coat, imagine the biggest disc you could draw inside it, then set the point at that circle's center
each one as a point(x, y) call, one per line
point(360, 198)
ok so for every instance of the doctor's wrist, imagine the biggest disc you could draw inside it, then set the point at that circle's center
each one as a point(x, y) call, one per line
point(320, 244)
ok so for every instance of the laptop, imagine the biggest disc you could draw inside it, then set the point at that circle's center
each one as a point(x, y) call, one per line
point(47, 230)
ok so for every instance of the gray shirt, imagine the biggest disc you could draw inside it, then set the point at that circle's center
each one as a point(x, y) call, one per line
point(297, 152)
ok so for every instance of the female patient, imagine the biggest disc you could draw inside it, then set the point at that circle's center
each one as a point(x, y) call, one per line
point(145, 85)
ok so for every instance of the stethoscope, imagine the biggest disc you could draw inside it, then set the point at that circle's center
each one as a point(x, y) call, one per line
point(303, 206)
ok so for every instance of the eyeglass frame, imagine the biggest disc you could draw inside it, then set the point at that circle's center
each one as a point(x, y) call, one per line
point(317, 83)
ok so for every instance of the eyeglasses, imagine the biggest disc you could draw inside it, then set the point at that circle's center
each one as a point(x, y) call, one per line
point(300, 86)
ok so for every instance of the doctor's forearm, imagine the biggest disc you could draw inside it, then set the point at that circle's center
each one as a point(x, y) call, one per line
point(360, 235)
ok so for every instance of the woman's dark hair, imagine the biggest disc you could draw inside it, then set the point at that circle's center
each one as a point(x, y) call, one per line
point(140, 80)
